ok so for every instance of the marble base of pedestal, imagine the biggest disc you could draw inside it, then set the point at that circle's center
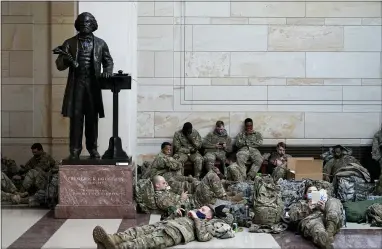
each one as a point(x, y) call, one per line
point(95, 192)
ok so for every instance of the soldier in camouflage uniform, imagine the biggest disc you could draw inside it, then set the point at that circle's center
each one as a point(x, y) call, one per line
point(278, 161)
point(377, 156)
point(9, 167)
point(198, 225)
point(319, 222)
point(38, 169)
point(216, 145)
point(203, 192)
point(164, 164)
point(338, 161)
point(9, 191)
point(247, 142)
point(186, 144)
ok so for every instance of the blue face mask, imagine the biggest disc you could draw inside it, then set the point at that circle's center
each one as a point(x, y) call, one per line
point(200, 215)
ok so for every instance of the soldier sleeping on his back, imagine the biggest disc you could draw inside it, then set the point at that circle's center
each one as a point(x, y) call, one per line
point(202, 224)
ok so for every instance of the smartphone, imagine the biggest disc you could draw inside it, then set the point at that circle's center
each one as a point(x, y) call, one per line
point(183, 211)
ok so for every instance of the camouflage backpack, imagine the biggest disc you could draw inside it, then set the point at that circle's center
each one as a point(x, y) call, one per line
point(267, 203)
point(291, 191)
point(144, 195)
point(374, 215)
point(245, 188)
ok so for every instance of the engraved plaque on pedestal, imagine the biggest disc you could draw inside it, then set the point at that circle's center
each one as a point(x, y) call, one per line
point(95, 192)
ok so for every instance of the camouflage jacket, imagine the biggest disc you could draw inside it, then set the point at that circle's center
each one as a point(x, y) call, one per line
point(201, 230)
point(182, 144)
point(212, 138)
point(45, 163)
point(274, 156)
point(377, 146)
point(167, 201)
point(300, 210)
point(161, 165)
point(334, 164)
point(246, 141)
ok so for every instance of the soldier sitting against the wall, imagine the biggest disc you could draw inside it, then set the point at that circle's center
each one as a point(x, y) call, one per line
point(320, 221)
point(187, 143)
point(216, 145)
point(377, 155)
point(248, 142)
point(39, 169)
point(200, 224)
point(164, 164)
point(339, 160)
point(278, 161)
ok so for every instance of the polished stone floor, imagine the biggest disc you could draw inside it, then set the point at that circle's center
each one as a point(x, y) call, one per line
point(34, 228)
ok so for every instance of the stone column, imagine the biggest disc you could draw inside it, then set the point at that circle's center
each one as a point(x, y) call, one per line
point(117, 26)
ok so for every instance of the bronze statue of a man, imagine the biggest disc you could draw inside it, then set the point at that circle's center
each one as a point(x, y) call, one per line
point(84, 54)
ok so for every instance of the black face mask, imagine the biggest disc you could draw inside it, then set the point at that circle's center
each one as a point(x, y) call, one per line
point(200, 215)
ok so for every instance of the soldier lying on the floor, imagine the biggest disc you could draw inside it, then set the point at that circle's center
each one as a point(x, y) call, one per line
point(205, 192)
point(202, 225)
point(318, 222)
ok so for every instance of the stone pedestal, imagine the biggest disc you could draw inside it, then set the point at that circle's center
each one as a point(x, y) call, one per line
point(95, 192)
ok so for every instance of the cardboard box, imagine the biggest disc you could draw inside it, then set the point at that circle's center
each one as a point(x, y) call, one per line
point(305, 168)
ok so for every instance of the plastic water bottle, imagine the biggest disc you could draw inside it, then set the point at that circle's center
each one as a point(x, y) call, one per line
point(343, 218)
point(246, 211)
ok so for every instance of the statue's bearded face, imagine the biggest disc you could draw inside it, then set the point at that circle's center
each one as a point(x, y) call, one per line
point(85, 24)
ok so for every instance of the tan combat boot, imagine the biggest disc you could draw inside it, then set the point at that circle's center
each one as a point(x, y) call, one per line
point(104, 240)
point(237, 199)
point(15, 199)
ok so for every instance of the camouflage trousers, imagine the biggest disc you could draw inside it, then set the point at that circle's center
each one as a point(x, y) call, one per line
point(279, 172)
point(7, 184)
point(35, 180)
point(201, 192)
point(48, 195)
point(254, 156)
point(211, 157)
point(195, 158)
point(236, 173)
point(180, 184)
point(9, 191)
point(315, 226)
point(148, 236)
point(208, 190)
